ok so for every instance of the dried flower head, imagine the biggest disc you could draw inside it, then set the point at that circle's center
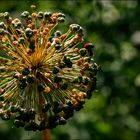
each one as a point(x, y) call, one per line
point(44, 75)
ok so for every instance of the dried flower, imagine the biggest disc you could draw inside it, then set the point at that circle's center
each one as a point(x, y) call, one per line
point(44, 76)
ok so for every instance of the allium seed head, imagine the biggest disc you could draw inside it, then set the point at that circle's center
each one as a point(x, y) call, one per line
point(44, 76)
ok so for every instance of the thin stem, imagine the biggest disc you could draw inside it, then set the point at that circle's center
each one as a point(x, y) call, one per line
point(46, 134)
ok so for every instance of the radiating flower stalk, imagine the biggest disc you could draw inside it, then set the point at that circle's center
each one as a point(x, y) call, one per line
point(44, 74)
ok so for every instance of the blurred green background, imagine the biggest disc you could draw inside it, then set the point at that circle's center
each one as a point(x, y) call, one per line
point(114, 27)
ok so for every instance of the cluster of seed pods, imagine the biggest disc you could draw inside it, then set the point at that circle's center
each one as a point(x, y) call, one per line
point(44, 74)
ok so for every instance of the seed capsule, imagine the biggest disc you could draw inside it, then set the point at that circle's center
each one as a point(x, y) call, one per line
point(89, 45)
point(28, 33)
point(74, 27)
point(62, 121)
point(14, 109)
point(57, 79)
point(78, 107)
point(47, 15)
point(18, 123)
point(31, 126)
point(5, 116)
point(40, 15)
point(64, 86)
point(25, 71)
point(57, 34)
point(31, 45)
point(2, 25)
point(61, 19)
point(46, 107)
point(55, 70)
point(22, 85)
point(1, 98)
point(57, 46)
point(85, 80)
point(6, 15)
point(67, 61)
point(21, 40)
point(25, 14)
point(40, 87)
point(62, 65)
point(31, 79)
point(83, 52)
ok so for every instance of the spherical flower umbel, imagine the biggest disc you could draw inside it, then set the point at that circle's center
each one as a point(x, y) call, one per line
point(44, 76)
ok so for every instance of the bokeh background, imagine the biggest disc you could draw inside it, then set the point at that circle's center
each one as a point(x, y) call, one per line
point(113, 26)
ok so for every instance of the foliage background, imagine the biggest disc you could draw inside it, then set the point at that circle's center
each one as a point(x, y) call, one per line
point(114, 27)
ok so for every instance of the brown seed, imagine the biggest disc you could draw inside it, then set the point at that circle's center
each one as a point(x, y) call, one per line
point(47, 75)
point(86, 66)
point(1, 90)
point(76, 50)
point(57, 40)
point(33, 7)
point(63, 36)
point(47, 89)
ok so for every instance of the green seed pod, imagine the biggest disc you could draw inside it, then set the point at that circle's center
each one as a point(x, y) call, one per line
point(83, 52)
point(74, 27)
point(64, 86)
point(55, 70)
point(47, 15)
point(5, 116)
point(31, 114)
point(80, 31)
point(18, 123)
point(25, 14)
point(62, 121)
point(2, 25)
point(25, 71)
point(40, 87)
point(29, 18)
point(85, 80)
point(46, 107)
point(57, 79)
point(61, 15)
point(52, 121)
point(30, 79)
point(67, 61)
point(89, 94)
point(69, 113)
point(57, 46)
point(32, 45)
point(21, 40)
point(14, 108)
point(40, 15)
point(61, 19)
point(78, 107)
point(2, 31)
point(58, 109)
point(1, 98)
point(62, 65)
point(18, 25)
point(57, 34)
point(80, 78)
point(6, 15)
point(28, 33)
point(22, 85)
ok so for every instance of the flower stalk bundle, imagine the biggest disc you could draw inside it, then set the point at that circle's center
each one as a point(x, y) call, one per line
point(44, 75)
